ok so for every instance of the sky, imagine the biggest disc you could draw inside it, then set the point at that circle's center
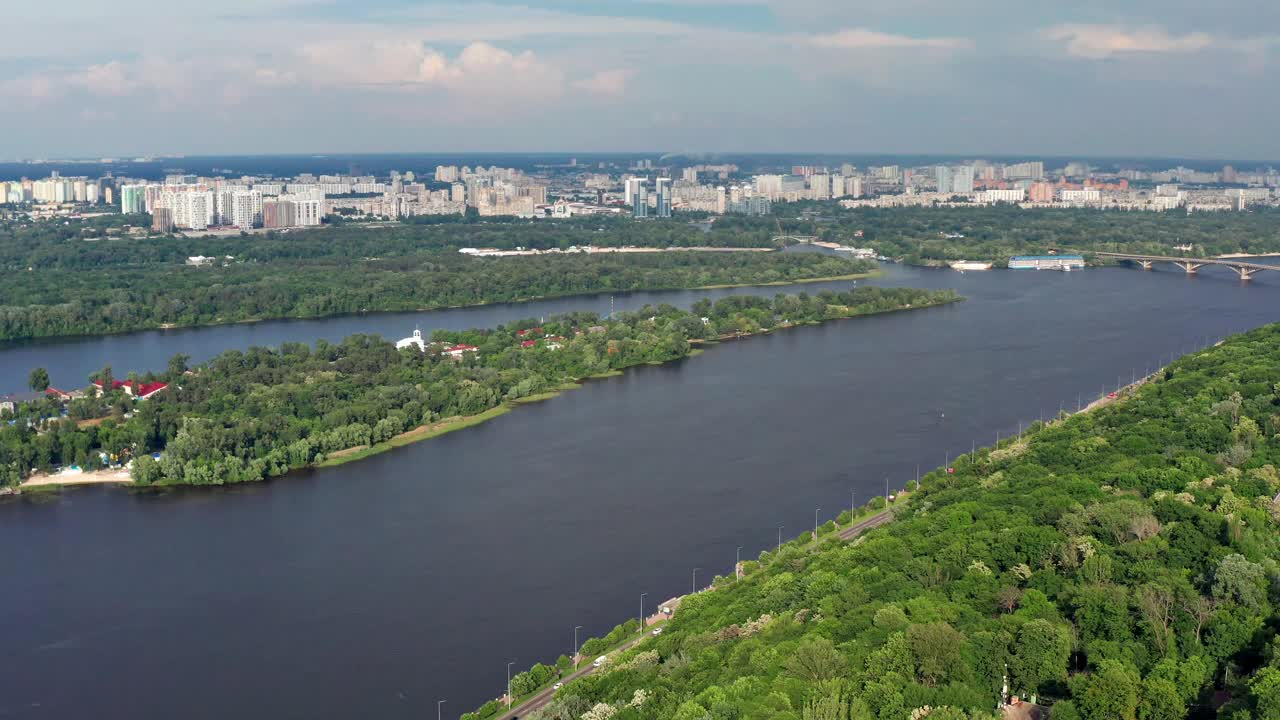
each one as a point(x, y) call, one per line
point(1168, 78)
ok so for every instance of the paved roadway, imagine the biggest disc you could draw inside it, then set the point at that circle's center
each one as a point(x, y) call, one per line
point(857, 529)
point(538, 701)
point(544, 697)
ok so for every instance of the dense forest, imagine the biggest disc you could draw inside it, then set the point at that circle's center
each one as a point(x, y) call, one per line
point(994, 233)
point(1120, 564)
point(245, 416)
point(62, 284)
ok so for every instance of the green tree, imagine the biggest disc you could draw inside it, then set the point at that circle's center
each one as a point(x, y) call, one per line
point(1040, 654)
point(1108, 693)
point(38, 380)
point(815, 659)
point(1160, 701)
point(178, 364)
point(938, 650)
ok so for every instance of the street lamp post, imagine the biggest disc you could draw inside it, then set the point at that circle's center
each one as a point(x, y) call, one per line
point(853, 506)
point(509, 698)
point(439, 703)
point(780, 538)
point(737, 562)
point(695, 579)
point(815, 524)
point(642, 597)
point(576, 628)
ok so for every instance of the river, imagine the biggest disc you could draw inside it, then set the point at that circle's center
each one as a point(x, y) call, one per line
point(376, 588)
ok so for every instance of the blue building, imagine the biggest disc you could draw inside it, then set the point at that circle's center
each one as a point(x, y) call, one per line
point(1046, 262)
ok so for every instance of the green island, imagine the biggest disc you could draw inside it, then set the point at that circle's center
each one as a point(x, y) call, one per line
point(1122, 563)
point(79, 280)
point(248, 415)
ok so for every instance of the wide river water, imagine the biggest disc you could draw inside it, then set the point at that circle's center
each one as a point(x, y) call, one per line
point(376, 588)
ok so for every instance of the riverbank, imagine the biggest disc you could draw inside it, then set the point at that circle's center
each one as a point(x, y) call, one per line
point(448, 425)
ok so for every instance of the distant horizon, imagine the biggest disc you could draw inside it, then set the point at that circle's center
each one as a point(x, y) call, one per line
point(690, 157)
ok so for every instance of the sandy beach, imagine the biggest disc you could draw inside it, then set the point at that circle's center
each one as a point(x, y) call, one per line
point(79, 477)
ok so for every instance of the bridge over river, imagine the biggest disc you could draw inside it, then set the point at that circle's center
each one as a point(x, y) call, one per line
point(1191, 264)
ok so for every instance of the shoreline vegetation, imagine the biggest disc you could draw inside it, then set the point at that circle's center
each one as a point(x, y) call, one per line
point(78, 288)
point(1120, 561)
point(860, 275)
point(246, 416)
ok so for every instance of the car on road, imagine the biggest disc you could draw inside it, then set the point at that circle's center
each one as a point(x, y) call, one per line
point(557, 686)
point(657, 632)
point(599, 661)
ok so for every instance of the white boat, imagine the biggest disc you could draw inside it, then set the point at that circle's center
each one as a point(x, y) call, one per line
point(1066, 268)
point(963, 265)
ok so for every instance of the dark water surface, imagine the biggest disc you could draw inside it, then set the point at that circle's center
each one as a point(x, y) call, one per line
point(374, 589)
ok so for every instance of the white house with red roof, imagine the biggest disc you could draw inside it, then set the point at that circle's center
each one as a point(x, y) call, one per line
point(140, 390)
point(457, 351)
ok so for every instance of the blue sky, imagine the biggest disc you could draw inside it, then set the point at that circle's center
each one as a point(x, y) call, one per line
point(1127, 77)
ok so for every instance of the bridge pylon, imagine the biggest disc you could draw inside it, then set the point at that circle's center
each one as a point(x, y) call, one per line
point(1146, 264)
point(1245, 273)
point(1190, 267)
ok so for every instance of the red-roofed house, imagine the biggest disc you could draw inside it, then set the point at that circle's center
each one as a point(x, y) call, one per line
point(528, 343)
point(63, 395)
point(457, 351)
point(140, 390)
point(533, 331)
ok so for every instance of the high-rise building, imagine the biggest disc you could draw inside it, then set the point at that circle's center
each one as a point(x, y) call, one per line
point(133, 199)
point(1025, 171)
point(162, 219)
point(690, 175)
point(638, 197)
point(1041, 192)
point(942, 174)
point(819, 186)
point(769, 186)
point(663, 188)
point(246, 209)
point(962, 179)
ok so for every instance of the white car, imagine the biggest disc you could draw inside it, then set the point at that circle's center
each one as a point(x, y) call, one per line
point(557, 686)
point(657, 632)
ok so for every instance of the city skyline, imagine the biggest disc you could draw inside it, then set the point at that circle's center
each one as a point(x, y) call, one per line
point(297, 76)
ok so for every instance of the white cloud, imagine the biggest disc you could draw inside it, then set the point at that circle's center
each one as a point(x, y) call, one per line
point(109, 79)
point(1103, 41)
point(479, 69)
point(863, 39)
point(606, 82)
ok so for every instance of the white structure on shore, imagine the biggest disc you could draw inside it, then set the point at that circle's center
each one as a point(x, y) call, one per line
point(415, 340)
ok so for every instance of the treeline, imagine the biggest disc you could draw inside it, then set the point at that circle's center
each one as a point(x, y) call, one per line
point(1119, 565)
point(45, 303)
point(245, 416)
point(995, 233)
point(84, 245)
